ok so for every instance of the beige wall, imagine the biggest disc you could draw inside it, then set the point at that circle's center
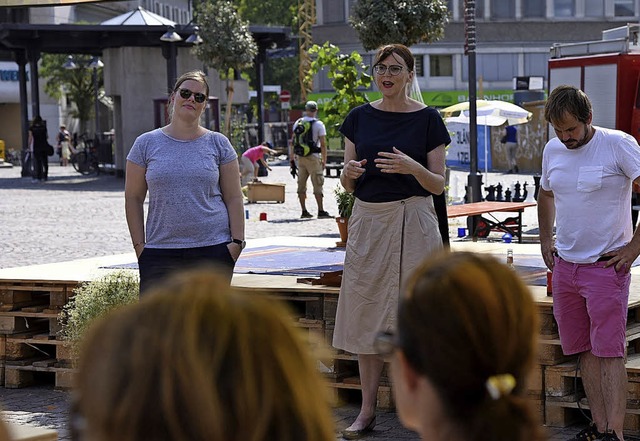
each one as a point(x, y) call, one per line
point(10, 126)
point(134, 77)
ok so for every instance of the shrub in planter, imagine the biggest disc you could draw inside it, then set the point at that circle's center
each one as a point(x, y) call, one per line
point(94, 299)
point(345, 201)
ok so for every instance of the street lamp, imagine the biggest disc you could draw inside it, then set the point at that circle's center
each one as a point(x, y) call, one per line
point(95, 64)
point(169, 50)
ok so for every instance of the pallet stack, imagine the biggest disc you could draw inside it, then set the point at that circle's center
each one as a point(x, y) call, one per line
point(29, 346)
point(563, 400)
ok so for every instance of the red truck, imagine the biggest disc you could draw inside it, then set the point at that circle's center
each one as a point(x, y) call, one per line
point(608, 71)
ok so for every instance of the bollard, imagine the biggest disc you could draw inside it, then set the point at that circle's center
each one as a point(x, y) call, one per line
point(246, 214)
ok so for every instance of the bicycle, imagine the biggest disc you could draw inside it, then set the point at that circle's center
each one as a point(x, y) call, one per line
point(84, 159)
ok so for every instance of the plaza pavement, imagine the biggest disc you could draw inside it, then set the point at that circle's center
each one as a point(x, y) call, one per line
point(74, 217)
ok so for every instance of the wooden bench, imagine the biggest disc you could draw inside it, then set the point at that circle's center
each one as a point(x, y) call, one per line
point(334, 162)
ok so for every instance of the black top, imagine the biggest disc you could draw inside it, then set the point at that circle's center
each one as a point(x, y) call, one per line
point(414, 133)
point(39, 133)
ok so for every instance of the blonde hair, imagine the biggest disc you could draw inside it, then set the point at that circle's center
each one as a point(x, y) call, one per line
point(196, 360)
point(465, 322)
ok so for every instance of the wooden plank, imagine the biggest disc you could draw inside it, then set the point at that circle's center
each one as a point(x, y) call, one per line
point(478, 208)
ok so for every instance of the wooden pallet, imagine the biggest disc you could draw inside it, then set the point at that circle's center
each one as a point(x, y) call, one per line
point(35, 296)
point(24, 376)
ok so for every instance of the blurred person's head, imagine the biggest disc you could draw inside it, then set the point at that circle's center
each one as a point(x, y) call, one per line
point(466, 343)
point(196, 360)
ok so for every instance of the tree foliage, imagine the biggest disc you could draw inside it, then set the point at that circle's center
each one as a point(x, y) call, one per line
point(76, 83)
point(408, 22)
point(228, 43)
point(268, 12)
point(347, 74)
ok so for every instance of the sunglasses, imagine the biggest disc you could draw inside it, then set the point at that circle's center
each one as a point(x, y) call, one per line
point(394, 69)
point(186, 94)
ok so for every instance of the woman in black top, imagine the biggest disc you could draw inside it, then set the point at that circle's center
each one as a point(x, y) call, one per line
point(394, 162)
point(38, 137)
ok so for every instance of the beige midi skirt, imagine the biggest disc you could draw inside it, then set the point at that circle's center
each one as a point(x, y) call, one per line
point(386, 242)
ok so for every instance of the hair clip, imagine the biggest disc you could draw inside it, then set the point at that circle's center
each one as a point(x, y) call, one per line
point(500, 385)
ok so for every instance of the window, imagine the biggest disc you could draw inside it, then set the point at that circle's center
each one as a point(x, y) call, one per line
point(535, 65)
point(418, 65)
point(503, 9)
point(333, 11)
point(167, 11)
point(534, 8)
point(157, 8)
point(624, 8)
point(440, 66)
point(564, 8)
point(594, 8)
point(493, 67)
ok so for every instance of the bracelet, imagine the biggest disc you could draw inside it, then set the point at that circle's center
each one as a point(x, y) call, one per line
point(136, 245)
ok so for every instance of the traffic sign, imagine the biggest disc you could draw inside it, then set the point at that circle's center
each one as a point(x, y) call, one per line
point(285, 96)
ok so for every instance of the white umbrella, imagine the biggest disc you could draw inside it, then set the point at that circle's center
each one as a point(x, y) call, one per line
point(492, 113)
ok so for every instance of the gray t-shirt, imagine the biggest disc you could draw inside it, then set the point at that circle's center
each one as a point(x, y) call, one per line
point(186, 209)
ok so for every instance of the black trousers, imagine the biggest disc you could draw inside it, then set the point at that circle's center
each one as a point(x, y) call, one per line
point(156, 264)
point(41, 165)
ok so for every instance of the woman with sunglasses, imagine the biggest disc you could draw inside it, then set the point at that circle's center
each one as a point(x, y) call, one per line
point(463, 350)
point(195, 212)
point(394, 162)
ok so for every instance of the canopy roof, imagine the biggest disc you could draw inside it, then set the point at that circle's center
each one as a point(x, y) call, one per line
point(139, 16)
point(93, 39)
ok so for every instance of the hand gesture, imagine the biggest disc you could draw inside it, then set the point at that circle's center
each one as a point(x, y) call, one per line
point(354, 169)
point(396, 162)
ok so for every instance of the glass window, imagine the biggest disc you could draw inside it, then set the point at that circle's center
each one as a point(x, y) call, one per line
point(503, 9)
point(624, 8)
point(418, 65)
point(564, 8)
point(333, 11)
point(535, 65)
point(493, 67)
point(440, 65)
point(594, 8)
point(534, 8)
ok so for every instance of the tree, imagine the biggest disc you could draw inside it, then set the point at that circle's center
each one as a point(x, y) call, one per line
point(228, 44)
point(408, 22)
point(268, 12)
point(347, 74)
point(77, 83)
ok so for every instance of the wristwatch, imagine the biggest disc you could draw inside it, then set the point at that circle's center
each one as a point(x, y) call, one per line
point(242, 243)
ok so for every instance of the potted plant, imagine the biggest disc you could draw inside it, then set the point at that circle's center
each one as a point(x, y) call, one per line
point(345, 202)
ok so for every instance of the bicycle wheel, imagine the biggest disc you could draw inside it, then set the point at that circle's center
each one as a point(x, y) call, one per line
point(82, 163)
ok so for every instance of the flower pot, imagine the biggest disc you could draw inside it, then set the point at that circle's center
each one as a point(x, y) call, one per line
point(342, 222)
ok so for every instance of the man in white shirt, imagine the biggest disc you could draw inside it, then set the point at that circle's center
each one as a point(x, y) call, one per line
point(585, 188)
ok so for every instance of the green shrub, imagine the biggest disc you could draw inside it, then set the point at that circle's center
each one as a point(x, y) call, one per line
point(94, 299)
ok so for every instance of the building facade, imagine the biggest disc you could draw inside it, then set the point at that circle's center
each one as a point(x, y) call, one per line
point(513, 38)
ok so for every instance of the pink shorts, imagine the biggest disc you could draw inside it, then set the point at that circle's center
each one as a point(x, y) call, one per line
point(590, 304)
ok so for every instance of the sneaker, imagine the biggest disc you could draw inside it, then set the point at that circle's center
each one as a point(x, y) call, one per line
point(306, 215)
point(324, 215)
point(589, 434)
point(610, 436)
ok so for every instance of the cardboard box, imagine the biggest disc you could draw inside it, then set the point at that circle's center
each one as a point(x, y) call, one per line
point(261, 192)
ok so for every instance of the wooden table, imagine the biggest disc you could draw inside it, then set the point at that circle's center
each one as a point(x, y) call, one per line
point(477, 209)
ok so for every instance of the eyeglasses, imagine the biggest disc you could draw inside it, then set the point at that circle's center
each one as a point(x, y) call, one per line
point(385, 343)
point(394, 69)
point(186, 94)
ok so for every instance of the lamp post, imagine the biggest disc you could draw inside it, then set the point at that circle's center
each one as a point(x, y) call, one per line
point(95, 63)
point(169, 50)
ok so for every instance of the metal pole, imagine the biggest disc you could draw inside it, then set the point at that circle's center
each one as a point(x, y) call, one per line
point(474, 180)
point(96, 102)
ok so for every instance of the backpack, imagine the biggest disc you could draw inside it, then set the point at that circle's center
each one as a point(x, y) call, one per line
point(303, 143)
